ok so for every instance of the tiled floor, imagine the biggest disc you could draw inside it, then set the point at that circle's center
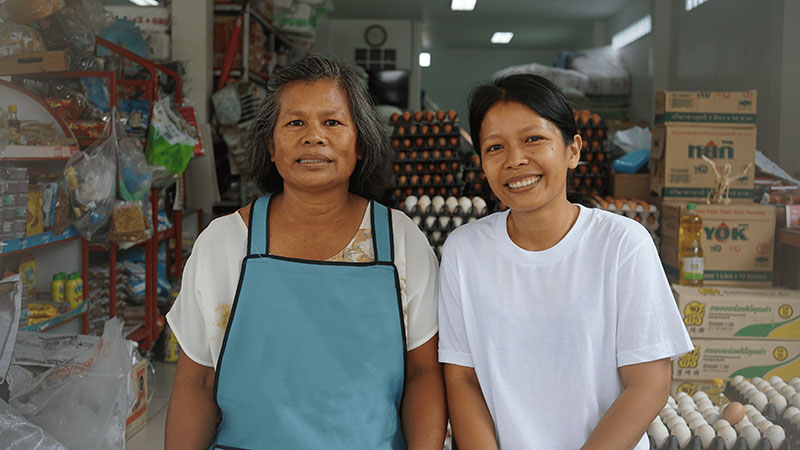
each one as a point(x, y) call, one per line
point(151, 437)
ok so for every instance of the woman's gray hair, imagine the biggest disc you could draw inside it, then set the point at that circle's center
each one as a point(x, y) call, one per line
point(372, 172)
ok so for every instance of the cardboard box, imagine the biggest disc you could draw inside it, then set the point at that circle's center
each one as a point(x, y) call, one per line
point(679, 173)
point(35, 221)
point(738, 243)
point(726, 358)
point(52, 61)
point(689, 386)
point(790, 216)
point(137, 418)
point(702, 108)
point(630, 185)
point(731, 312)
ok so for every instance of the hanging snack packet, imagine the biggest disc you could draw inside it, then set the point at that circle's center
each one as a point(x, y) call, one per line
point(171, 139)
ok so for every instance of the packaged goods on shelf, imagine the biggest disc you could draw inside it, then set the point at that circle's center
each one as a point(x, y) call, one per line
point(726, 358)
point(731, 312)
point(702, 108)
point(738, 241)
point(14, 192)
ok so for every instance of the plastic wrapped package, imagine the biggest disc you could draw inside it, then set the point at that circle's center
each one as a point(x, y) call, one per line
point(83, 405)
point(65, 31)
point(605, 70)
point(171, 140)
point(10, 300)
point(26, 11)
point(21, 433)
point(227, 104)
point(17, 39)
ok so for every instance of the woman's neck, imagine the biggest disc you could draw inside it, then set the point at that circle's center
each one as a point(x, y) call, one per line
point(315, 208)
point(542, 228)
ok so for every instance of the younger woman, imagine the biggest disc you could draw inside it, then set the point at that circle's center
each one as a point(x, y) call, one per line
point(557, 324)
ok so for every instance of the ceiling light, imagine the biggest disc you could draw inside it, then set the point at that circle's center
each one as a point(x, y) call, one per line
point(462, 5)
point(502, 37)
point(424, 59)
point(144, 2)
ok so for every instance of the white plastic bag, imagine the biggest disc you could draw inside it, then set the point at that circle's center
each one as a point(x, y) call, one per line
point(10, 299)
point(635, 138)
point(20, 433)
point(84, 405)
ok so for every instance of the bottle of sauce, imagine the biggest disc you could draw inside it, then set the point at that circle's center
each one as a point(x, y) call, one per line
point(690, 249)
point(14, 126)
point(73, 290)
point(57, 287)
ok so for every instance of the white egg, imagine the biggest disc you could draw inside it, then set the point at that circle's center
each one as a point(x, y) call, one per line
point(657, 419)
point(695, 422)
point(417, 220)
point(748, 391)
point(465, 204)
point(748, 409)
point(757, 419)
point(795, 400)
point(430, 221)
point(659, 433)
point(668, 413)
point(685, 409)
point(737, 380)
point(794, 380)
point(452, 204)
point(759, 400)
point(790, 412)
point(796, 420)
point(681, 395)
point(742, 424)
point(682, 433)
point(479, 204)
point(712, 417)
point(699, 395)
point(437, 203)
point(457, 221)
point(675, 421)
point(721, 423)
point(472, 219)
point(693, 415)
point(751, 435)
point(424, 203)
point(728, 436)
point(671, 402)
point(773, 380)
point(706, 435)
point(796, 385)
point(436, 235)
point(409, 203)
point(780, 403)
point(756, 380)
point(763, 426)
point(444, 221)
point(776, 436)
point(704, 404)
point(787, 391)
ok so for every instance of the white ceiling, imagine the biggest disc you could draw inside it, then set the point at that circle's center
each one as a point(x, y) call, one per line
point(536, 24)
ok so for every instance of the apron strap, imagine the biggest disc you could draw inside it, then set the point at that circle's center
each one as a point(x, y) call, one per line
point(257, 237)
point(382, 233)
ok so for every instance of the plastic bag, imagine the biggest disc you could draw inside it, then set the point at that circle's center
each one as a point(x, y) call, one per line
point(84, 405)
point(26, 11)
point(90, 177)
point(171, 139)
point(10, 300)
point(20, 433)
point(635, 138)
point(17, 39)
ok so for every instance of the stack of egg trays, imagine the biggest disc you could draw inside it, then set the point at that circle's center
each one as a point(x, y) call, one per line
point(13, 202)
point(792, 430)
point(438, 225)
point(592, 172)
point(650, 218)
point(421, 158)
point(718, 444)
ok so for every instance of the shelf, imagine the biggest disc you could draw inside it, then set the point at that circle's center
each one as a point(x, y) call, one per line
point(789, 237)
point(38, 152)
point(58, 320)
point(235, 7)
point(237, 73)
point(37, 241)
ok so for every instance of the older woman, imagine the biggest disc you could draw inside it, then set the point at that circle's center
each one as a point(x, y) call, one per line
point(308, 319)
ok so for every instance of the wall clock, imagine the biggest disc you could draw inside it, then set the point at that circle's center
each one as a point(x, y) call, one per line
point(375, 35)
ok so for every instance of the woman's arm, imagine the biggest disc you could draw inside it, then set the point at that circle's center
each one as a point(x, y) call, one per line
point(424, 412)
point(645, 391)
point(192, 413)
point(469, 416)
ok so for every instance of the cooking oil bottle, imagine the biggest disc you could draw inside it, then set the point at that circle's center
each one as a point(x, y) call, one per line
point(690, 248)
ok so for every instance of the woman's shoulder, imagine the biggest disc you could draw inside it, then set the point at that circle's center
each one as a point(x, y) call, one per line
point(223, 233)
point(615, 227)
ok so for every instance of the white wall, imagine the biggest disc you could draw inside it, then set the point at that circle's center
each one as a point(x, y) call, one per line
point(453, 72)
point(341, 37)
point(637, 57)
point(192, 26)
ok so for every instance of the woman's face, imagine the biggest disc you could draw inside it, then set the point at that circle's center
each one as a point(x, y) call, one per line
point(314, 142)
point(524, 157)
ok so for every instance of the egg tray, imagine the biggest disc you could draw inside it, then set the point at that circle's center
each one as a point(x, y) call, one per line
point(407, 154)
point(406, 133)
point(430, 159)
point(719, 444)
point(430, 191)
point(770, 413)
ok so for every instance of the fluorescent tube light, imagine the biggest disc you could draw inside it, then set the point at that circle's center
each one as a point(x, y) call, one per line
point(462, 5)
point(638, 29)
point(692, 4)
point(144, 2)
point(502, 37)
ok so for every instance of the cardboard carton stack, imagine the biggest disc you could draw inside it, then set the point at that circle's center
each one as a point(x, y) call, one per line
point(737, 331)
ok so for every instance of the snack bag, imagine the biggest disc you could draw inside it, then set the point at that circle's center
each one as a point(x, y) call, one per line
point(171, 140)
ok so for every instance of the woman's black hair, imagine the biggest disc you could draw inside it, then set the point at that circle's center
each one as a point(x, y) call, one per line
point(538, 94)
point(372, 172)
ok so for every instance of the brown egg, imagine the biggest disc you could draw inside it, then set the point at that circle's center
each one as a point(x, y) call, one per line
point(436, 129)
point(599, 182)
point(436, 154)
point(418, 116)
point(406, 116)
point(448, 153)
point(454, 141)
point(437, 179)
point(477, 187)
point(395, 117)
point(581, 169)
point(589, 157)
point(584, 145)
point(432, 191)
point(451, 114)
point(426, 179)
point(596, 145)
point(601, 132)
point(443, 191)
point(412, 129)
point(448, 128)
point(420, 191)
point(443, 167)
point(440, 115)
point(425, 154)
point(596, 119)
point(429, 115)
point(419, 142)
point(407, 143)
point(601, 157)
point(470, 175)
point(651, 219)
point(401, 131)
point(414, 154)
point(449, 178)
point(618, 203)
point(733, 413)
point(420, 167)
point(431, 142)
point(431, 167)
point(576, 182)
point(454, 166)
point(632, 204)
point(396, 168)
point(414, 180)
point(637, 218)
point(398, 192)
point(402, 180)
point(401, 155)
point(409, 168)
point(595, 170)
point(475, 159)
point(442, 142)
point(425, 129)
point(396, 143)
point(454, 190)
point(588, 132)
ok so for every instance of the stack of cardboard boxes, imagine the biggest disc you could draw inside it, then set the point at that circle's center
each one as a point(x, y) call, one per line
point(738, 323)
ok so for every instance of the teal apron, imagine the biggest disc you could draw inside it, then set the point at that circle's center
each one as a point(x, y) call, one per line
point(314, 355)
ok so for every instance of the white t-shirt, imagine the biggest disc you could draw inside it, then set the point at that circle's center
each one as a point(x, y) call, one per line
point(546, 331)
point(200, 314)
